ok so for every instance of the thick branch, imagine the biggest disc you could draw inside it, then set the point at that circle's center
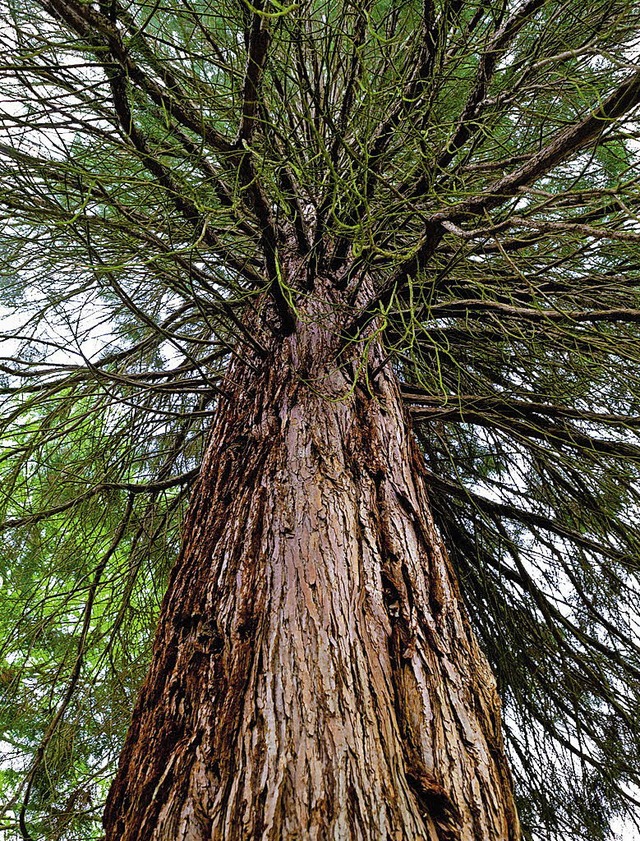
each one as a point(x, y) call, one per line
point(566, 144)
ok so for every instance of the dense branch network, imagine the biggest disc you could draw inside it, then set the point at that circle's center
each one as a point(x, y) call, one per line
point(463, 175)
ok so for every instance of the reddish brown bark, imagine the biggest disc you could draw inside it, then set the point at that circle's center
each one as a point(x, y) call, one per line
point(314, 673)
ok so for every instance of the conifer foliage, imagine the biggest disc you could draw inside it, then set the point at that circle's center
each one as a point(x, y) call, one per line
point(466, 174)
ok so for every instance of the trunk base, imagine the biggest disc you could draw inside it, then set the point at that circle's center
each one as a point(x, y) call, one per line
point(314, 673)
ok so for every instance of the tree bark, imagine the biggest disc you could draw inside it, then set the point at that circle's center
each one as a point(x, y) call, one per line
point(314, 673)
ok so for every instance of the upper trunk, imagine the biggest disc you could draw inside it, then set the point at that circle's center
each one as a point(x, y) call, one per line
point(314, 673)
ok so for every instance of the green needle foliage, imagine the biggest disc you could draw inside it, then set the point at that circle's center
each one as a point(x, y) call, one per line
point(468, 172)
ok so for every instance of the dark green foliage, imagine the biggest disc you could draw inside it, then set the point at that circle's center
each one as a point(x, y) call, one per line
point(469, 171)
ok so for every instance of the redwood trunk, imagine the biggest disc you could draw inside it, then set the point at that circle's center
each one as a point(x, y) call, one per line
point(314, 673)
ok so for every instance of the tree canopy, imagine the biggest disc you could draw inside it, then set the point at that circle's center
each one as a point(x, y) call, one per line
point(468, 170)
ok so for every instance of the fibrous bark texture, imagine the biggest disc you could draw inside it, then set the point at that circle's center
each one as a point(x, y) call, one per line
point(314, 673)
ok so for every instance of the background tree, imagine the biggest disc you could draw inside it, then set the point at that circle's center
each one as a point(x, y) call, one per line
point(433, 199)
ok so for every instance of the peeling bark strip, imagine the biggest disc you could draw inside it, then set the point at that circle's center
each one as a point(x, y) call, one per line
point(314, 674)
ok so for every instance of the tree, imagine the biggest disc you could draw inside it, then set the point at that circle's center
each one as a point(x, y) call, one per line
point(361, 280)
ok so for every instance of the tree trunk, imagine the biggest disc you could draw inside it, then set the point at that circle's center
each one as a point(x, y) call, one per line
point(314, 673)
